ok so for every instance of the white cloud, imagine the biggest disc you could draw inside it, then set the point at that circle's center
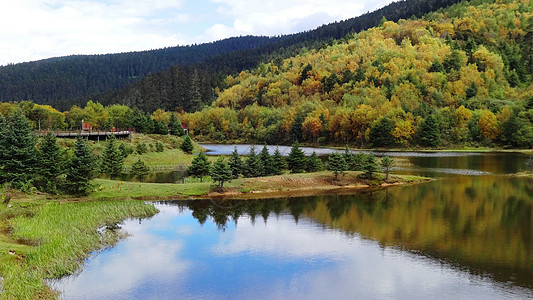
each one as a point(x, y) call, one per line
point(37, 29)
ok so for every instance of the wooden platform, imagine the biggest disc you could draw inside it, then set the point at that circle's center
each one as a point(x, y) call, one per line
point(93, 135)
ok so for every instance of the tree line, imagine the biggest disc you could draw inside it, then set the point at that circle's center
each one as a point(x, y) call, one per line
point(266, 164)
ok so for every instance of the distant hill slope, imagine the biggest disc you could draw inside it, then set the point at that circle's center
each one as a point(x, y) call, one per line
point(461, 75)
point(74, 79)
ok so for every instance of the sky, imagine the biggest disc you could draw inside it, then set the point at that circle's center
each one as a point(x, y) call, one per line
point(37, 29)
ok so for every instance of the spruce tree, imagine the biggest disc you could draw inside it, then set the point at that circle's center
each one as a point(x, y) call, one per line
point(174, 125)
point(139, 170)
point(266, 161)
point(386, 164)
point(124, 150)
point(369, 166)
point(253, 167)
point(236, 164)
point(159, 147)
point(52, 163)
point(428, 132)
point(314, 164)
point(200, 166)
point(381, 133)
point(81, 168)
point(295, 132)
point(278, 163)
point(336, 164)
point(186, 145)
point(221, 172)
point(112, 163)
point(19, 157)
point(296, 160)
point(349, 159)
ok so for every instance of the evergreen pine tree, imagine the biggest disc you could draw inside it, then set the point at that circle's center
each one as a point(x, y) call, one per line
point(221, 172)
point(336, 164)
point(295, 133)
point(159, 147)
point(296, 160)
point(386, 164)
point(369, 166)
point(254, 167)
point(52, 163)
point(139, 170)
point(266, 161)
point(19, 158)
point(200, 166)
point(381, 133)
point(112, 163)
point(314, 164)
point(428, 132)
point(160, 127)
point(186, 145)
point(174, 125)
point(81, 168)
point(124, 150)
point(349, 159)
point(236, 164)
point(278, 163)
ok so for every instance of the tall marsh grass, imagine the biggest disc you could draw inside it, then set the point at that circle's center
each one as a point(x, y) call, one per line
point(62, 235)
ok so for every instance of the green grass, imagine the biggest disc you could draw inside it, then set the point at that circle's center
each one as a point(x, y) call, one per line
point(119, 189)
point(52, 240)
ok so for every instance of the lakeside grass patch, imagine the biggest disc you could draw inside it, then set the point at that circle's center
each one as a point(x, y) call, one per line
point(125, 189)
point(52, 240)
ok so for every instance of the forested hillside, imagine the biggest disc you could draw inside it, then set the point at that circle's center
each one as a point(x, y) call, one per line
point(456, 76)
point(197, 69)
point(77, 77)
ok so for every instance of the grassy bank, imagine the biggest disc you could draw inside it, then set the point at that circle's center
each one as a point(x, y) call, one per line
point(245, 187)
point(51, 239)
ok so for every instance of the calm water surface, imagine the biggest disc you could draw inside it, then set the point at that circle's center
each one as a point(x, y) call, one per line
point(467, 235)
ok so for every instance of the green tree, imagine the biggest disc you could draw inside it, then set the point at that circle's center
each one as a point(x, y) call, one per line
point(253, 167)
point(174, 125)
point(52, 163)
point(139, 169)
point(314, 164)
point(295, 133)
point(19, 157)
point(471, 91)
point(296, 160)
point(349, 159)
point(436, 66)
point(200, 166)
point(428, 132)
point(336, 164)
point(381, 133)
point(369, 166)
point(221, 172)
point(81, 168)
point(386, 164)
point(278, 162)
point(112, 163)
point(141, 148)
point(266, 161)
point(124, 150)
point(159, 127)
point(159, 147)
point(235, 164)
point(186, 145)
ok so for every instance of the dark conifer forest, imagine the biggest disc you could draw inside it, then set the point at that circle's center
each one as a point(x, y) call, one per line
point(175, 78)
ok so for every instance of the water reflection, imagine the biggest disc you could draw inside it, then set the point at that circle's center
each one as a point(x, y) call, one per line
point(459, 237)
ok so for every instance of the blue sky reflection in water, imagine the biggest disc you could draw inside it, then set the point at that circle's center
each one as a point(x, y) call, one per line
point(172, 256)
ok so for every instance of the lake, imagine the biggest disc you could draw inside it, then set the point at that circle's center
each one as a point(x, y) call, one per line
point(466, 235)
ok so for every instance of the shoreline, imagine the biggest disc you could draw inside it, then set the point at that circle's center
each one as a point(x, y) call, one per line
point(287, 185)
